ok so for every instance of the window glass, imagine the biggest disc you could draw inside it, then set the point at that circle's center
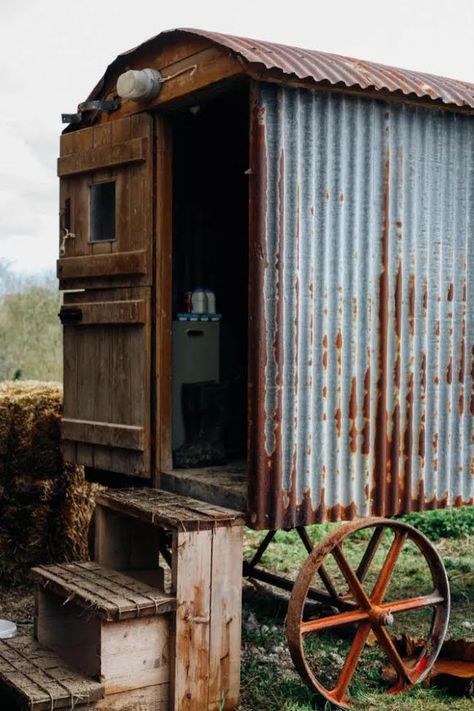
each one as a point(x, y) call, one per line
point(102, 206)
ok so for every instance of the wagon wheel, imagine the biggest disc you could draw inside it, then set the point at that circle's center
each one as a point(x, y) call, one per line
point(370, 612)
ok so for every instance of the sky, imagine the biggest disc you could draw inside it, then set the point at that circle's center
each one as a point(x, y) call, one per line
point(52, 54)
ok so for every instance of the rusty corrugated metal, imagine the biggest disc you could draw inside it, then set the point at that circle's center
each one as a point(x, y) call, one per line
point(317, 66)
point(362, 268)
point(336, 69)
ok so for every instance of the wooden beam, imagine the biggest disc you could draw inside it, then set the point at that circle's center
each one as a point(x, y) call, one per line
point(184, 76)
point(103, 157)
point(103, 433)
point(106, 312)
point(94, 265)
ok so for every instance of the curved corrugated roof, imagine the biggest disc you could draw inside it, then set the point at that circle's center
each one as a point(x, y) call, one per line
point(310, 64)
point(336, 69)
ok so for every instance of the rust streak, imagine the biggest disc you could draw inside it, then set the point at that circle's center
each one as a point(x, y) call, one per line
point(353, 415)
point(365, 446)
point(449, 371)
point(381, 454)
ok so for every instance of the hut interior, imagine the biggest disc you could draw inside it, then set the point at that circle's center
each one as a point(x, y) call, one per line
point(210, 252)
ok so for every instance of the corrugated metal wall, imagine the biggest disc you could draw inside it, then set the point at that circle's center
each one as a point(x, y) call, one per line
point(362, 292)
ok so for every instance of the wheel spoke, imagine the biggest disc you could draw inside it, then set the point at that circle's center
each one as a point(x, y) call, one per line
point(391, 651)
point(322, 572)
point(324, 623)
point(351, 578)
point(352, 659)
point(385, 574)
point(413, 603)
point(327, 582)
point(369, 553)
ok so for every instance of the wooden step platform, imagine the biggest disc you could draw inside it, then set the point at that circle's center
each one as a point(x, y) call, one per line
point(106, 625)
point(105, 593)
point(34, 678)
point(202, 543)
point(169, 511)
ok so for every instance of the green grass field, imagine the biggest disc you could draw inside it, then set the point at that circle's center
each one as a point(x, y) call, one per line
point(269, 680)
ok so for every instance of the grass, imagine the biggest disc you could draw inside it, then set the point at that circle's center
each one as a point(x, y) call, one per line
point(269, 680)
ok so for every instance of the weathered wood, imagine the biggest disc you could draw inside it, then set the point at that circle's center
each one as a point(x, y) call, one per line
point(127, 544)
point(98, 147)
point(225, 486)
point(104, 593)
point(135, 654)
point(164, 307)
point(35, 678)
point(207, 581)
point(125, 655)
point(73, 633)
point(107, 373)
point(225, 623)
point(105, 433)
point(93, 265)
point(168, 511)
point(152, 698)
point(103, 157)
point(198, 71)
point(189, 674)
point(105, 312)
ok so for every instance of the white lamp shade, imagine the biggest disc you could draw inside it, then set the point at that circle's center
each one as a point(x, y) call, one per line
point(139, 84)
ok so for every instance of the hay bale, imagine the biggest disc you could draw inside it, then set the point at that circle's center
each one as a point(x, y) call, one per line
point(30, 414)
point(46, 506)
point(44, 521)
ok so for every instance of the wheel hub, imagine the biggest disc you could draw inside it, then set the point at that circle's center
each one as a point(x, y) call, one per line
point(380, 616)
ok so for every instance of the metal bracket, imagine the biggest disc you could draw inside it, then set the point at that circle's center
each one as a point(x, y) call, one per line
point(95, 105)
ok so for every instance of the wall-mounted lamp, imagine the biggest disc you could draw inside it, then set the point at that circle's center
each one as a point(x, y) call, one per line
point(139, 84)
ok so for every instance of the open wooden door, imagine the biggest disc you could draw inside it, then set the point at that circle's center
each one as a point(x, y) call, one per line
point(106, 271)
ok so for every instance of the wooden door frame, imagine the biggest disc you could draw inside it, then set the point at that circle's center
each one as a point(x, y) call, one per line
point(163, 269)
point(162, 306)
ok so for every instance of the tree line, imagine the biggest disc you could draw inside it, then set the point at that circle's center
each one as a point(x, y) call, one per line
point(30, 331)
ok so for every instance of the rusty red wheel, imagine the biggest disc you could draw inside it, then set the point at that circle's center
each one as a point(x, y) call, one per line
point(364, 591)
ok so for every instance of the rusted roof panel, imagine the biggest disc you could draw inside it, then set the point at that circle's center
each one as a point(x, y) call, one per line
point(336, 69)
point(362, 273)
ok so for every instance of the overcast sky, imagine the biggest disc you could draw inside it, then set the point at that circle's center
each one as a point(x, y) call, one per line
point(52, 53)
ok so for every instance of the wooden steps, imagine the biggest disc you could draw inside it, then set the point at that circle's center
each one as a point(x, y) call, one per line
point(34, 678)
point(104, 593)
point(107, 634)
point(171, 512)
point(105, 624)
point(203, 544)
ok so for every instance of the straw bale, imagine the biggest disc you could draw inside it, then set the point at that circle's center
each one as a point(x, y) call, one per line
point(45, 506)
point(44, 521)
point(30, 413)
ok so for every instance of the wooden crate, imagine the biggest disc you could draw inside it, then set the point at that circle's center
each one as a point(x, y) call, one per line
point(206, 580)
point(106, 625)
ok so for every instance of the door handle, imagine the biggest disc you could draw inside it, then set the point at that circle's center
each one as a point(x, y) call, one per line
point(70, 315)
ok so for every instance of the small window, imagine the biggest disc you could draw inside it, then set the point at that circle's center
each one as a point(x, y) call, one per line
point(102, 212)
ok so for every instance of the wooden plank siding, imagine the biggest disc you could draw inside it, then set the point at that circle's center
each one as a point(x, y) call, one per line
point(121, 153)
point(106, 265)
point(102, 312)
point(134, 151)
point(107, 375)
